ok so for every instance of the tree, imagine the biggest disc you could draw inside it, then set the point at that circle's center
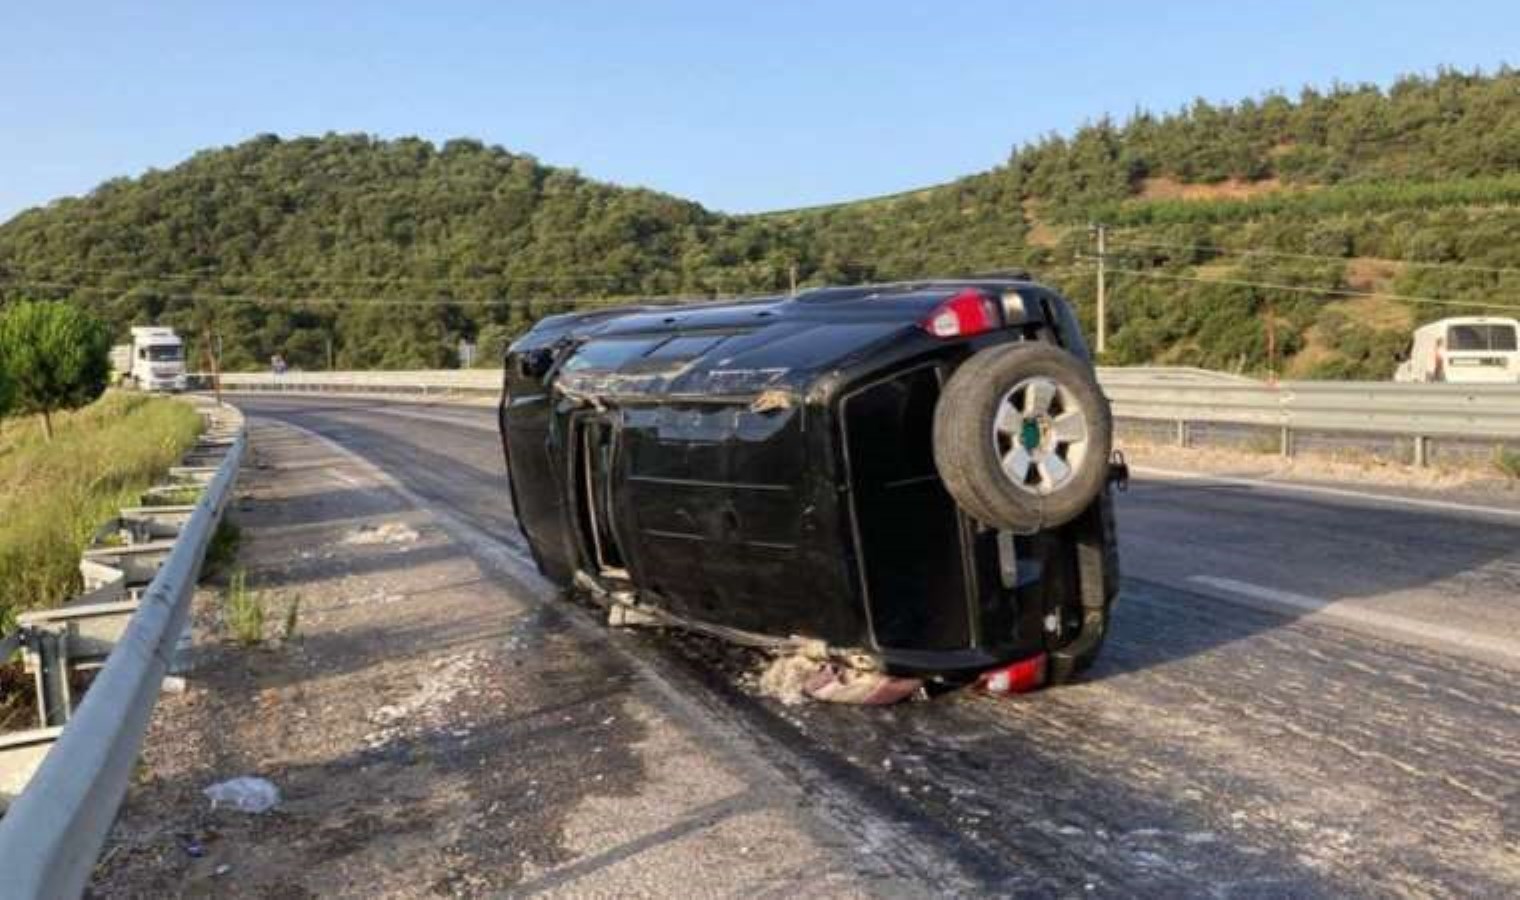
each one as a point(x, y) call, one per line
point(58, 357)
point(7, 390)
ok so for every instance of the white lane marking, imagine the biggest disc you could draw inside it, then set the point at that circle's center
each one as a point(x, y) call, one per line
point(1401, 625)
point(444, 419)
point(1298, 488)
point(346, 478)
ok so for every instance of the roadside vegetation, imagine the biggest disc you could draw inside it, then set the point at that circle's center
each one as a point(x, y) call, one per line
point(1508, 463)
point(243, 610)
point(245, 613)
point(54, 494)
point(1407, 191)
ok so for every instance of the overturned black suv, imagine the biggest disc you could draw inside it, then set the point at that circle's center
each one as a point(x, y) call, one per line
point(916, 472)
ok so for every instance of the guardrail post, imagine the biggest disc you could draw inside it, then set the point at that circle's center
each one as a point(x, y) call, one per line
point(1182, 433)
point(51, 652)
point(1420, 451)
point(1286, 442)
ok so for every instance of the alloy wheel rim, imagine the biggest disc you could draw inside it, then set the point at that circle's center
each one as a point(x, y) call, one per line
point(1040, 435)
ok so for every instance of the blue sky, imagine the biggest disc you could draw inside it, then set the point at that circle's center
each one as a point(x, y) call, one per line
point(742, 106)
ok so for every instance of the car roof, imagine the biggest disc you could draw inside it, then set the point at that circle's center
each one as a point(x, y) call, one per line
point(1442, 324)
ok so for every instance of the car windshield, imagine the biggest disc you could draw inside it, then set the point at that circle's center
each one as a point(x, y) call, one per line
point(1481, 337)
point(165, 353)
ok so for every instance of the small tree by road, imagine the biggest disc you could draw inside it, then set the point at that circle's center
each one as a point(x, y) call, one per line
point(7, 390)
point(57, 357)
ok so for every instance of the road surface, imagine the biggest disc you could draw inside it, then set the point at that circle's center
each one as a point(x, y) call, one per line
point(1306, 693)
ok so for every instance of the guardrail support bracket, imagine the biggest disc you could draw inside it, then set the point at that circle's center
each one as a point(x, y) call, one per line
point(48, 652)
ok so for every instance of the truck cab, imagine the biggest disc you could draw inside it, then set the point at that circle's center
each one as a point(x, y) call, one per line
point(158, 359)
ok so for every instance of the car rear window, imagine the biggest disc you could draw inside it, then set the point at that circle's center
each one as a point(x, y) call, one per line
point(609, 354)
point(1481, 337)
point(686, 347)
point(640, 354)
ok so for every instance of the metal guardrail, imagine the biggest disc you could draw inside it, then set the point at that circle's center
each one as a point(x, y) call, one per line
point(51, 835)
point(467, 381)
point(1170, 394)
point(1291, 410)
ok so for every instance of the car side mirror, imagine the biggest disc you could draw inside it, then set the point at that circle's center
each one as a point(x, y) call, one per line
point(535, 363)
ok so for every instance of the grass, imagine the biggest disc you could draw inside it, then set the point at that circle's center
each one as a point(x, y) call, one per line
point(1507, 462)
point(292, 618)
point(177, 496)
point(54, 495)
point(223, 548)
point(243, 611)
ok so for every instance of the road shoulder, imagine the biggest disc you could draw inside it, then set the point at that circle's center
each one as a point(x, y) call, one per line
point(432, 731)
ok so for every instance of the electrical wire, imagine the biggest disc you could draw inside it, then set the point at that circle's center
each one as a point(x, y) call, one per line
point(1305, 289)
point(1282, 254)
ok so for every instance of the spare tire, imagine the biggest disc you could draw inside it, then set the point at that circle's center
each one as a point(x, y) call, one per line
point(1022, 435)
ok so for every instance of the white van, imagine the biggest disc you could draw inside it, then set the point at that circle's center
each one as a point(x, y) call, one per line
point(1464, 350)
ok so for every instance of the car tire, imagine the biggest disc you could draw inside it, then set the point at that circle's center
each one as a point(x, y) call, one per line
point(1022, 435)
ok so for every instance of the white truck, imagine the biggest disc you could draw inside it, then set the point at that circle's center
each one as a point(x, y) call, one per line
point(1464, 350)
point(154, 361)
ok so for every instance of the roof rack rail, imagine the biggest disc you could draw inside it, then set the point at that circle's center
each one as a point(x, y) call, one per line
point(1010, 274)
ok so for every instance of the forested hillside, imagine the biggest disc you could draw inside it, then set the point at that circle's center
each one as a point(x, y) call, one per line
point(1331, 221)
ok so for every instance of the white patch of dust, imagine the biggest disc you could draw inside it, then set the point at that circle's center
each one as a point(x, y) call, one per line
point(389, 533)
point(424, 706)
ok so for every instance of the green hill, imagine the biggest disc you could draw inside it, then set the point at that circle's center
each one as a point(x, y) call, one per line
point(1359, 207)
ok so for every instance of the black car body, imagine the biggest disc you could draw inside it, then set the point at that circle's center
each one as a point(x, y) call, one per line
point(768, 466)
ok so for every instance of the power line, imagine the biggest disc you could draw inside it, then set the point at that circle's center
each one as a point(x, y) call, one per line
point(210, 273)
point(1249, 251)
point(508, 302)
point(191, 275)
point(394, 301)
point(1304, 289)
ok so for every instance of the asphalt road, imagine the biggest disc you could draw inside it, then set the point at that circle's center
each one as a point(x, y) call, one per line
point(1304, 693)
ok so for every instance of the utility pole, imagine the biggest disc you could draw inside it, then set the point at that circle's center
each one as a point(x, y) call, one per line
point(793, 272)
point(213, 352)
point(1102, 235)
point(1271, 324)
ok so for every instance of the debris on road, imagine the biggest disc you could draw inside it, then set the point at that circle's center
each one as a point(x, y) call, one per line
point(246, 794)
point(834, 683)
point(786, 678)
point(809, 673)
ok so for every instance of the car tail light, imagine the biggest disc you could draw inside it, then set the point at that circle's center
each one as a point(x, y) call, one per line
point(967, 313)
point(1016, 678)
